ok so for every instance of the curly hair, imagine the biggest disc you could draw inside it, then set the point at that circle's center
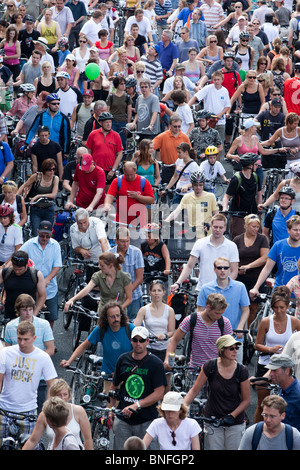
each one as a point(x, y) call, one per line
point(103, 320)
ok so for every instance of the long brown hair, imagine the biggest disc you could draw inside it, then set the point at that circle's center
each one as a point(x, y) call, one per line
point(144, 155)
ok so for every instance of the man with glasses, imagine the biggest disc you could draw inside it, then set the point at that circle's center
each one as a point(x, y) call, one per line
point(284, 254)
point(22, 279)
point(184, 44)
point(147, 118)
point(235, 293)
point(142, 381)
point(45, 252)
point(165, 145)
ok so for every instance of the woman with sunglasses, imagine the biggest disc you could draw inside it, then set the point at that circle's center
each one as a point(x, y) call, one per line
point(244, 51)
point(253, 249)
point(11, 10)
point(211, 53)
point(274, 94)
point(174, 430)
point(11, 237)
point(273, 333)
point(232, 18)
point(44, 183)
point(228, 395)
point(264, 80)
point(252, 95)
point(261, 67)
point(158, 318)
point(82, 55)
point(9, 196)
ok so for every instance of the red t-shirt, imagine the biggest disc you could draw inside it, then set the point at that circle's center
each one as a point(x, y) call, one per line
point(291, 91)
point(229, 81)
point(104, 148)
point(88, 184)
point(128, 209)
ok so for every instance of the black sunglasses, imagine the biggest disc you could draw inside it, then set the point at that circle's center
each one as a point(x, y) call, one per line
point(138, 340)
point(222, 267)
point(173, 437)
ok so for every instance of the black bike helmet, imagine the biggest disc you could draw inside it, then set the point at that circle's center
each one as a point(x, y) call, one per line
point(287, 190)
point(203, 114)
point(130, 81)
point(248, 159)
point(197, 177)
point(105, 116)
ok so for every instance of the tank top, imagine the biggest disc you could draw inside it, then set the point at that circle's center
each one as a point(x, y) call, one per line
point(104, 52)
point(251, 102)
point(40, 87)
point(43, 191)
point(157, 326)
point(48, 32)
point(72, 426)
point(149, 174)
point(244, 149)
point(272, 338)
point(153, 258)
point(290, 142)
point(16, 285)
point(10, 50)
point(193, 75)
point(245, 58)
point(81, 61)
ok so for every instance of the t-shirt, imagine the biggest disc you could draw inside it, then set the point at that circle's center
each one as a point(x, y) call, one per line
point(149, 375)
point(128, 209)
point(22, 374)
point(69, 99)
point(214, 100)
point(248, 254)
point(183, 49)
point(43, 152)
point(31, 73)
point(211, 172)
point(186, 115)
point(104, 148)
point(88, 184)
point(269, 124)
point(187, 429)
point(89, 240)
point(26, 40)
point(266, 443)
point(115, 343)
point(43, 332)
point(186, 173)
point(199, 210)
point(144, 25)
point(291, 90)
point(277, 224)
point(144, 108)
point(11, 238)
point(286, 259)
point(244, 196)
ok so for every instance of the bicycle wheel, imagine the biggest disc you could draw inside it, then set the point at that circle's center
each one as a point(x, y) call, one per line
point(71, 291)
point(101, 439)
point(77, 389)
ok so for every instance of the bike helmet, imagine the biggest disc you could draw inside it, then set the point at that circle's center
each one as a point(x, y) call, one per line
point(63, 42)
point(244, 35)
point(295, 168)
point(248, 159)
point(130, 81)
point(6, 210)
point(151, 227)
point(27, 87)
point(63, 74)
point(287, 190)
point(197, 177)
point(228, 55)
point(105, 116)
point(211, 150)
point(52, 97)
point(203, 114)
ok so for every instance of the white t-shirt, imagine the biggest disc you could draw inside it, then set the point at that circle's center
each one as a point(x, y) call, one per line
point(212, 171)
point(186, 115)
point(206, 253)
point(13, 237)
point(187, 429)
point(22, 375)
point(214, 100)
point(91, 29)
point(144, 25)
point(186, 175)
point(89, 240)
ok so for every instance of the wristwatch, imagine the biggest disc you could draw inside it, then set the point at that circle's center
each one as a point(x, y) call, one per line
point(138, 405)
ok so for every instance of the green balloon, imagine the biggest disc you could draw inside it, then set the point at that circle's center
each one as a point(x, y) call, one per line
point(92, 71)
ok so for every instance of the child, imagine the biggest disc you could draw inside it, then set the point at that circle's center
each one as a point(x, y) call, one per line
point(63, 45)
point(183, 110)
point(212, 168)
point(56, 412)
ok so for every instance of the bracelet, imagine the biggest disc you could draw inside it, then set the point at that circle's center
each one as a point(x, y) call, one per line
point(166, 336)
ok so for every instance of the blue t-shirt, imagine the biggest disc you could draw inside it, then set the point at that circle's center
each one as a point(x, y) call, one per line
point(7, 157)
point(286, 259)
point(114, 344)
point(292, 396)
point(278, 225)
point(236, 297)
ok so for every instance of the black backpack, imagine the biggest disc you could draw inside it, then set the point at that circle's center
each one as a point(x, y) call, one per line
point(6, 273)
point(192, 326)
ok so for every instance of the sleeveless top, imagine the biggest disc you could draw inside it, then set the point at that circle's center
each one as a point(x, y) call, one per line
point(43, 191)
point(149, 174)
point(73, 426)
point(48, 32)
point(245, 58)
point(104, 52)
point(16, 285)
point(193, 75)
point(81, 61)
point(72, 75)
point(244, 149)
point(251, 102)
point(153, 257)
point(272, 338)
point(157, 326)
point(290, 142)
point(40, 87)
point(10, 50)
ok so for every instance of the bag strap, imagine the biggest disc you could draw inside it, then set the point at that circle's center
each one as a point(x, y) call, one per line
point(181, 173)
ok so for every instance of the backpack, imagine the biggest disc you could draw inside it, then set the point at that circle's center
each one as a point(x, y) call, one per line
point(143, 182)
point(178, 302)
point(297, 30)
point(278, 80)
point(6, 273)
point(239, 178)
point(192, 326)
point(237, 372)
point(258, 432)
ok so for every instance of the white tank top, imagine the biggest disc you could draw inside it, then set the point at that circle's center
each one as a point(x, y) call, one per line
point(73, 427)
point(157, 326)
point(272, 338)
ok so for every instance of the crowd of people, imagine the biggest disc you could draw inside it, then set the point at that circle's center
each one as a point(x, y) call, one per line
point(174, 76)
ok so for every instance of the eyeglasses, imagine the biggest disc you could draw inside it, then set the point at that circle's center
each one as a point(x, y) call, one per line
point(138, 340)
point(245, 40)
point(173, 435)
point(263, 63)
point(264, 415)
point(4, 237)
point(222, 267)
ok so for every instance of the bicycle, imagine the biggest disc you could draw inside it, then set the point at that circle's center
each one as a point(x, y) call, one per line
point(248, 346)
point(18, 427)
point(265, 384)
point(273, 177)
point(229, 214)
point(147, 279)
point(85, 320)
point(27, 229)
point(101, 424)
point(207, 424)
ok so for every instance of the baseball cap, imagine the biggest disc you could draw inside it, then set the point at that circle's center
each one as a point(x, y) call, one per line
point(172, 401)
point(88, 93)
point(297, 65)
point(70, 57)
point(226, 341)
point(45, 227)
point(94, 48)
point(249, 123)
point(85, 162)
point(179, 66)
point(276, 102)
point(280, 360)
point(140, 331)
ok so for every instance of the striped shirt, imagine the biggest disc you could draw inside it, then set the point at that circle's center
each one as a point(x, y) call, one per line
point(162, 10)
point(153, 69)
point(43, 332)
point(212, 15)
point(204, 339)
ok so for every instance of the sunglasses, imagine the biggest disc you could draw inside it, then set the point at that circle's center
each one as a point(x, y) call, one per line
point(51, 169)
point(234, 348)
point(245, 40)
point(173, 435)
point(4, 237)
point(140, 71)
point(211, 42)
point(254, 78)
point(138, 340)
point(55, 104)
point(219, 268)
point(83, 42)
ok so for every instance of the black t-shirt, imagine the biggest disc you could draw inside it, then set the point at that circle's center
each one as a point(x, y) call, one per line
point(90, 125)
point(69, 171)
point(138, 384)
point(139, 42)
point(43, 152)
point(243, 196)
point(269, 124)
point(16, 285)
point(26, 39)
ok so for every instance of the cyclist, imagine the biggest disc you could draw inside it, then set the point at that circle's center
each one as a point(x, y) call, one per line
point(203, 135)
point(212, 167)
